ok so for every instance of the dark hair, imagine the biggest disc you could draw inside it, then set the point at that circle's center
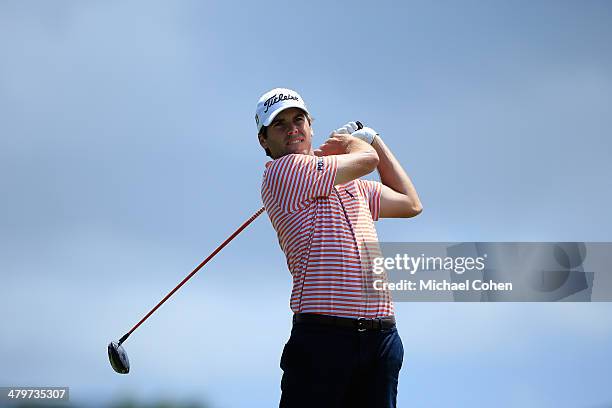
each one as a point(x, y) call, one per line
point(263, 132)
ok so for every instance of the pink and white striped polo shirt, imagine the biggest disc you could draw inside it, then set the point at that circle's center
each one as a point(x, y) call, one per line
point(327, 234)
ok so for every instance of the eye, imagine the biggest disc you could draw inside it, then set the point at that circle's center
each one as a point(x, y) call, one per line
point(299, 118)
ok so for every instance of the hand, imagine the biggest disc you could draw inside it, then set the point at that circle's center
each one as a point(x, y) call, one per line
point(349, 128)
point(338, 143)
point(356, 129)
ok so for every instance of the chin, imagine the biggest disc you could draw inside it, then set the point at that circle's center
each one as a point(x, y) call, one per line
point(301, 149)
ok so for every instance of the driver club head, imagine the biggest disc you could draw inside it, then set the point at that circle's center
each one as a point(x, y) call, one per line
point(118, 358)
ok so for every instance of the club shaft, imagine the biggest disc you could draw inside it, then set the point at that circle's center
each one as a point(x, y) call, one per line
point(219, 248)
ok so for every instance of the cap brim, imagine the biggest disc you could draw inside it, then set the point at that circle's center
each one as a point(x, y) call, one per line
point(282, 108)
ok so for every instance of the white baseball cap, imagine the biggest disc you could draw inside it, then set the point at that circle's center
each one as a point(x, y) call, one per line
point(274, 102)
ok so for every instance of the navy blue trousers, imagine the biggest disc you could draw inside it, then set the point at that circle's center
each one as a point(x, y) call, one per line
point(328, 366)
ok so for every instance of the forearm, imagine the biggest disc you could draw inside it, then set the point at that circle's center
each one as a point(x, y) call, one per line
point(355, 158)
point(359, 159)
point(355, 145)
point(393, 175)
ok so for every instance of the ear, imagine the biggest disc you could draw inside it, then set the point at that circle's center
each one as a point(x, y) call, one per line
point(262, 141)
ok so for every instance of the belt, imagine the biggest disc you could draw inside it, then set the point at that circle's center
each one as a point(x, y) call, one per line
point(361, 324)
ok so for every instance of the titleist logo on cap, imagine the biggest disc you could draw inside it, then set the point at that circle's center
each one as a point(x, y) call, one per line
point(278, 98)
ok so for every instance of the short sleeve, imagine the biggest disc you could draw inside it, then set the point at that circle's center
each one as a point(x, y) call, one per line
point(371, 191)
point(293, 180)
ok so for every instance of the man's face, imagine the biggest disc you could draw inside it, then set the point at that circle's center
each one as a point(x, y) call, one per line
point(288, 133)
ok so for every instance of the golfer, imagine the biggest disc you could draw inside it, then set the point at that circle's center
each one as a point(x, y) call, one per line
point(344, 349)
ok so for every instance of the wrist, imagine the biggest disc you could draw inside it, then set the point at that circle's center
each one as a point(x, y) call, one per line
point(366, 134)
point(358, 145)
point(376, 141)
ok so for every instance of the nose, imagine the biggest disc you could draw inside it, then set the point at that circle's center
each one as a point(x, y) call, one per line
point(292, 132)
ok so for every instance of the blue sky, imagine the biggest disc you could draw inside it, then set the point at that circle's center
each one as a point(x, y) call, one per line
point(128, 151)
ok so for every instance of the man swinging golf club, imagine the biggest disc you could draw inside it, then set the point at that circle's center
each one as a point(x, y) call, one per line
point(344, 349)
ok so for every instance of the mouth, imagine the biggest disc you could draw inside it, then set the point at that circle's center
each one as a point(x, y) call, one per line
point(295, 140)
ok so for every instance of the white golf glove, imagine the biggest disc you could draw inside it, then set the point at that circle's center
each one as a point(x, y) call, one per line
point(366, 134)
point(349, 128)
point(356, 129)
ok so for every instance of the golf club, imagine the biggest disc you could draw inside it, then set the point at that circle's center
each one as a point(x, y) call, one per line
point(116, 353)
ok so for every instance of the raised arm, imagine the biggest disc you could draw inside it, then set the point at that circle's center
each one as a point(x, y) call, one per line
point(355, 157)
point(398, 198)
